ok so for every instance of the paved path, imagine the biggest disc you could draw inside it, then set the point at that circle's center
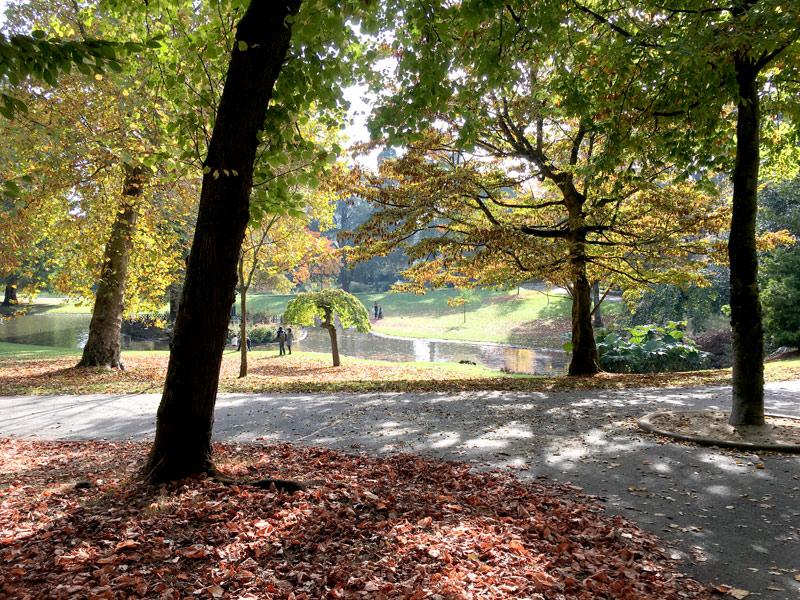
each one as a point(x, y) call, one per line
point(733, 516)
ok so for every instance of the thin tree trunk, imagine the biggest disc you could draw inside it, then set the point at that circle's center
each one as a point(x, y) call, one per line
point(328, 324)
point(598, 318)
point(748, 333)
point(11, 292)
point(103, 345)
point(243, 322)
point(182, 444)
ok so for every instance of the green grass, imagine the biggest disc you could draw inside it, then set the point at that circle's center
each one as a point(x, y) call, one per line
point(27, 351)
point(526, 317)
point(504, 317)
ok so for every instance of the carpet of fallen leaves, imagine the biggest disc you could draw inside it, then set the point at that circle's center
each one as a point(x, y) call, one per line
point(74, 523)
point(269, 373)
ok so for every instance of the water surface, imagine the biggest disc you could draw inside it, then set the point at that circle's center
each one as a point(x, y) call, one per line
point(71, 331)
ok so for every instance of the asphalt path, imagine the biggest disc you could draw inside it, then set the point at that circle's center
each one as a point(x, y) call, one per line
point(732, 516)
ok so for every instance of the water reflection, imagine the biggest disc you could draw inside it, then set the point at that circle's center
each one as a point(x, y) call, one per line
point(537, 361)
point(70, 331)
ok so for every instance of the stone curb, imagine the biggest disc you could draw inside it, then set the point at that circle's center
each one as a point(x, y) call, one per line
point(645, 423)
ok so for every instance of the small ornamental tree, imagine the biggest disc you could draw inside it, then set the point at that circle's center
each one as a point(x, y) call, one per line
point(323, 305)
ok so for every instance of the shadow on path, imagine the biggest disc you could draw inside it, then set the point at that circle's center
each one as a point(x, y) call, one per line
point(733, 516)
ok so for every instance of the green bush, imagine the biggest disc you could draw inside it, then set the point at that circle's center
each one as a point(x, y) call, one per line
point(262, 334)
point(649, 349)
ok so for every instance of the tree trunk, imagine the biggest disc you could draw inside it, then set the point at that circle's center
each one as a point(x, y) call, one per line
point(103, 346)
point(584, 350)
point(11, 292)
point(174, 292)
point(748, 334)
point(331, 327)
point(243, 321)
point(182, 444)
point(598, 318)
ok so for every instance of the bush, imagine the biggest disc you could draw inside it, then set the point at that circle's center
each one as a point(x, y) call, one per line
point(262, 334)
point(719, 345)
point(649, 349)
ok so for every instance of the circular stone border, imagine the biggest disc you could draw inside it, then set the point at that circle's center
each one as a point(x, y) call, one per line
point(649, 423)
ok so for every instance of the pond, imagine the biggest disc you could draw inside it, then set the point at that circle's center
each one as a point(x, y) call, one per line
point(71, 331)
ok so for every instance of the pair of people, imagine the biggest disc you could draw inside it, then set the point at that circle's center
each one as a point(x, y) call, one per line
point(285, 339)
point(235, 343)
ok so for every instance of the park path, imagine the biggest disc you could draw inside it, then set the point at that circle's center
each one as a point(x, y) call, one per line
point(732, 516)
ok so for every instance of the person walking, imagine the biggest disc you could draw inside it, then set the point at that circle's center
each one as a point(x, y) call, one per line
point(289, 339)
point(375, 310)
point(235, 342)
point(281, 342)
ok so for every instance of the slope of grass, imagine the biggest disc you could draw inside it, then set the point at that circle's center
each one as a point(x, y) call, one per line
point(525, 317)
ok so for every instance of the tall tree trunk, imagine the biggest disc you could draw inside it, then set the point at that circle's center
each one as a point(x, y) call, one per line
point(11, 291)
point(185, 419)
point(243, 321)
point(748, 333)
point(103, 346)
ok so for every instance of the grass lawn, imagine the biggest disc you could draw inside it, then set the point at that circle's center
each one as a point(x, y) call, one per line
point(527, 318)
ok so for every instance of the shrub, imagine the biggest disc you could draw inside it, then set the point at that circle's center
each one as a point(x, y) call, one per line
point(649, 349)
point(719, 345)
point(262, 334)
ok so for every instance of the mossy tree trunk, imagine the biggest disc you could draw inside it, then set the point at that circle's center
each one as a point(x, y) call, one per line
point(103, 346)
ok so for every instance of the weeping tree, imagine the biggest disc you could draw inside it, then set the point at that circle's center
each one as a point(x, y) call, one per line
point(324, 306)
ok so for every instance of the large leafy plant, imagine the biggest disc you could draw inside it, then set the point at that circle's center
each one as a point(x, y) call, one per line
point(649, 349)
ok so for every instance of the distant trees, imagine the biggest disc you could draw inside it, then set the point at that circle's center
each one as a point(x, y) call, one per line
point(779, 275)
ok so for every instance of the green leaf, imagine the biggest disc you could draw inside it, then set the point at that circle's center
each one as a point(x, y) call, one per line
point(242, 45)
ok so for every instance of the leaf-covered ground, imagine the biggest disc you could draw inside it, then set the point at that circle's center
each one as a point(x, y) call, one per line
point(311, 373)
point(401, 527)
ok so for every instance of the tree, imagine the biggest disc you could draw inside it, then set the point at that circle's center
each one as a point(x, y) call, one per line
point(722, 55)
point(103, 344)
point(467, 222)
point(544, 94)
point(325, 305)
point(185, 415)
point(280, 245)
point(244, 117)
point(91, 141)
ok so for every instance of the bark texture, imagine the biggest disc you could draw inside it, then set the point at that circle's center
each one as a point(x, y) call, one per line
point(584, 349)
point(103, 345)
point(10, 297)
point(748, 333)
point(185, 418)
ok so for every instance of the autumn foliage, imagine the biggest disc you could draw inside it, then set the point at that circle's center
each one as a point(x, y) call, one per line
point(74, 524)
